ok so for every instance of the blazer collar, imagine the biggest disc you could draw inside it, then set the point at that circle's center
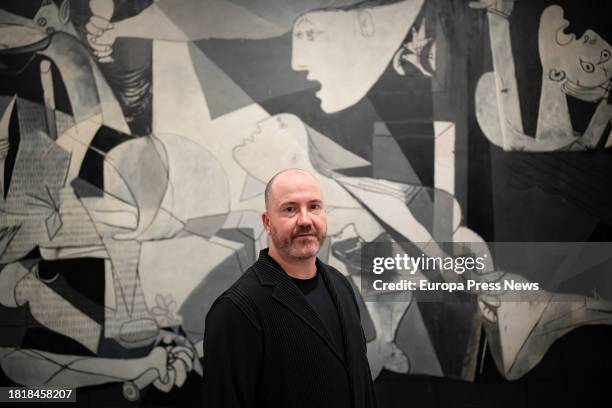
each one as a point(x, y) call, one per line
point(270, 273)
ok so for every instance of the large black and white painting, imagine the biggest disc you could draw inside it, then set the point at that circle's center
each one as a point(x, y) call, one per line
point(136, 138)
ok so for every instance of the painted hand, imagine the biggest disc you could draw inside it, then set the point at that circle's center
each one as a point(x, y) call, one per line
point(101, 34)
point(173, 363)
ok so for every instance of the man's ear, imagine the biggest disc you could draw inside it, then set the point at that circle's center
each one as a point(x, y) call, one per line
point(265, 219)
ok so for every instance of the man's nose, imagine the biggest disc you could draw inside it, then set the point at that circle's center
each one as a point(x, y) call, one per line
point(304, 218)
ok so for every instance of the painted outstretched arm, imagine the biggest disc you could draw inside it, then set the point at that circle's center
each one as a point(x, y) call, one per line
point(165, 367)
point(388, 200)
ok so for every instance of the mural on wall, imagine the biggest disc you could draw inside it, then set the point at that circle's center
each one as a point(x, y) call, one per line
point(572, 67)
point(136, 139)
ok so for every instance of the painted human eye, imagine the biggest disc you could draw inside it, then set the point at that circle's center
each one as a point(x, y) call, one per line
point(587, 66)
point(311, 34)
point(605, 56)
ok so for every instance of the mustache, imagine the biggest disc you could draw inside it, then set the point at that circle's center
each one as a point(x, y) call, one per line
point(305, 231)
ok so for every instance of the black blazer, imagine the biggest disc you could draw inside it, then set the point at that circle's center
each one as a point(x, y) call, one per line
point(265, 346)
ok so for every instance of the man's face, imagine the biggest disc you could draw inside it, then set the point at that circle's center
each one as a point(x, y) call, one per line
point(295, 220)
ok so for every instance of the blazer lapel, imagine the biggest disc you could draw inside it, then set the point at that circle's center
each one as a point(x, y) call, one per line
point(354, 341)
point(341, 307)
point(333, 291)
point(290, 296)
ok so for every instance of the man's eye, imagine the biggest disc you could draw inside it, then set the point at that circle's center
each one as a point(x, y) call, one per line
point(315, 207)
point(289, 209)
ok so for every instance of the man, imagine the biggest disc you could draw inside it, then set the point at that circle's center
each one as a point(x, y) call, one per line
point(287, 333)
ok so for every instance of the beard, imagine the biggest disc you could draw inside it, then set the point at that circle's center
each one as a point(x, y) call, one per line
point(303, 243)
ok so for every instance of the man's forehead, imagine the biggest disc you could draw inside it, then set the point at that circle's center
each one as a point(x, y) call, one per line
point(295, 186)
point(297, 198)
point(294, 177)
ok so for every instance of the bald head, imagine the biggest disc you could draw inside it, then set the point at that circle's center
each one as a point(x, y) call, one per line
point(282, 176)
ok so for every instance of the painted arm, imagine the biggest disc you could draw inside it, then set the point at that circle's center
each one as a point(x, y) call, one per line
point(506, 88)
point(38, 368)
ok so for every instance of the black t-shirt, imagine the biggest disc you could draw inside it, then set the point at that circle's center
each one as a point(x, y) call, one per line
point(316, 292)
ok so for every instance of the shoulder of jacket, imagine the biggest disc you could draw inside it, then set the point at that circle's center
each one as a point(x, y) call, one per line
point(242, 294)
